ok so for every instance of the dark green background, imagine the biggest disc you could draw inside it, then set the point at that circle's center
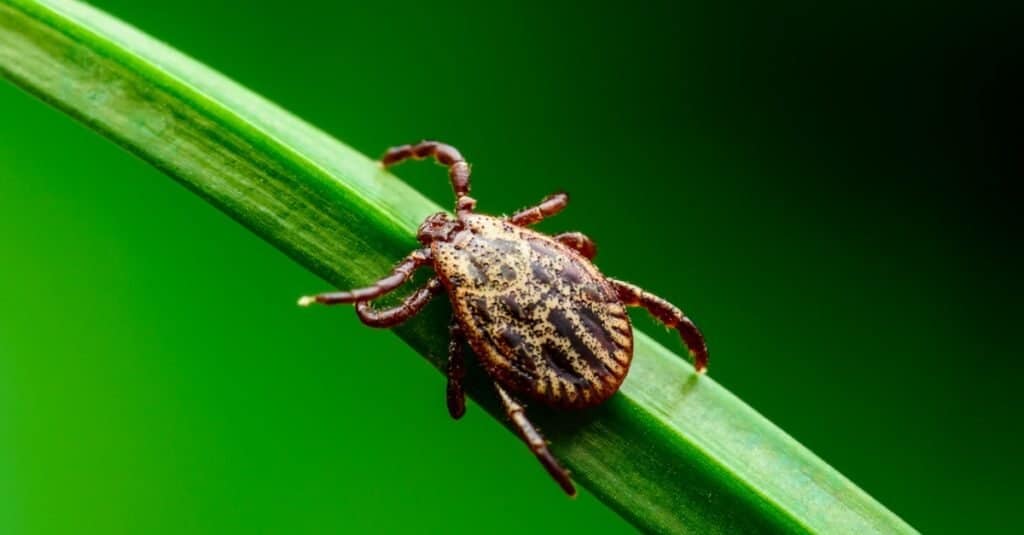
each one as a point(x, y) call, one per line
point(825, 190)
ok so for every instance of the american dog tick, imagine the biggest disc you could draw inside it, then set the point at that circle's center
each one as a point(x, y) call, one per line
point(545, 323)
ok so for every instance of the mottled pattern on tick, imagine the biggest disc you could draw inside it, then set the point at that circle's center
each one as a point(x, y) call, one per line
point(541, 317)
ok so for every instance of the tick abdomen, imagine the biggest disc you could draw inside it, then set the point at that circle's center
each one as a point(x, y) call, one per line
point(542, 318)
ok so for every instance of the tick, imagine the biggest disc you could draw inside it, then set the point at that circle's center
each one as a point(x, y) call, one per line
point(546, 325)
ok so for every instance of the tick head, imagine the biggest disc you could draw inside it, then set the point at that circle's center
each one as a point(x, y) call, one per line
point(437, 227)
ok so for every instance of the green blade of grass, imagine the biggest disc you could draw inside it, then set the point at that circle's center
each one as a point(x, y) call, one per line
point(671, 452)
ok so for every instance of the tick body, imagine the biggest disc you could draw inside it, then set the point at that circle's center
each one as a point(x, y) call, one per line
point(544, 322)
point(541, 318)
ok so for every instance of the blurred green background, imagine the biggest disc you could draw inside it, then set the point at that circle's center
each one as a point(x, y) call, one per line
point(826, 191)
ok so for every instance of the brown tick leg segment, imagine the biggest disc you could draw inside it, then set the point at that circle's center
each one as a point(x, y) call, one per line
point(396, 278)
point(456, 370)
point(447, 155)
point(551, 205)
point(535, 441)
point(409, 308)
point(578, 242)
point(671, 316)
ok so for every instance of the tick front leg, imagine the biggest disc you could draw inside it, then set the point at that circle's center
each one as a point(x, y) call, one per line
point(456, 370)
point(671, 316)
point(535, 441)
point(396, 278)
point(579, 242)
point(447, 155)
point(409, 307)
point(551, 205)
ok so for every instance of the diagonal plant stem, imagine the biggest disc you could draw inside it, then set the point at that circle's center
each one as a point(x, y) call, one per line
point(671, 452)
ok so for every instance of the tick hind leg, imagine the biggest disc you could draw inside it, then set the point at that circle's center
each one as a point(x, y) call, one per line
point(411, 306)
point(671, 316)
point(551, 205)
point(399, 274)
point(534, 440)
point(447, 155)
point(456, 370)
point(578, 242)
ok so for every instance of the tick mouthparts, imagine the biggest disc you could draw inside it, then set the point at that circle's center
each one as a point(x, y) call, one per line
point(306, 300)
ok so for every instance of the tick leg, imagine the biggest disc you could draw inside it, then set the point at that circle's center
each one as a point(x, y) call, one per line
point(551, 205)
point(535, 441)
point(456, 370)
point(579, 242)
point(409, 307)
point(396, 278)
point(447, 155)
point(671, 316)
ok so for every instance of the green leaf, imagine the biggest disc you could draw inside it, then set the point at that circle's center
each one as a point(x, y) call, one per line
point(672, 452)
